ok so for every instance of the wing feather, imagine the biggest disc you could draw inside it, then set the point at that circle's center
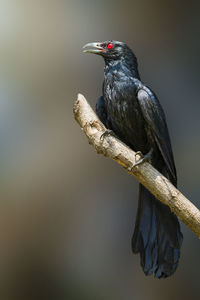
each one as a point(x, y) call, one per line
point(155, 118)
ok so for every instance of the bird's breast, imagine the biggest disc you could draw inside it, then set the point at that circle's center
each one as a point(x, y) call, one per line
point(124, 113)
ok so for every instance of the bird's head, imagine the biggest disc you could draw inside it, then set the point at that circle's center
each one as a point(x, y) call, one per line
point(110, 50)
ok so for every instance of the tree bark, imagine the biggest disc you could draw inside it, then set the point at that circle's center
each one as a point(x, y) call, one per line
point(145, 173)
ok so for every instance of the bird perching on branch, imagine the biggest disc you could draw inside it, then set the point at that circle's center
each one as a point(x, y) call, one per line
point(131, 111)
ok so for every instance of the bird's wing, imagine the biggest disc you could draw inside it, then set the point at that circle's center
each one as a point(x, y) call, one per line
point(155, 118)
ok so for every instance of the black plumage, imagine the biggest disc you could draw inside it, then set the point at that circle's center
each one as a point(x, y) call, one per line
point(132, 111)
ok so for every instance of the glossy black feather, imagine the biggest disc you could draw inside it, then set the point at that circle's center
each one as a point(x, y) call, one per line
point(133, 112)
point(155, 119)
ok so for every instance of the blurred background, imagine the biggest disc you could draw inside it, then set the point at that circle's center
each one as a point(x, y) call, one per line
point(67, 214)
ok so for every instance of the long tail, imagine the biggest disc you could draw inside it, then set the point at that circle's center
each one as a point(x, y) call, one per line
point(157, 236)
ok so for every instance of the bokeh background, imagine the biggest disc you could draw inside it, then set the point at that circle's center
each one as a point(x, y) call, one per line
point(67, 214)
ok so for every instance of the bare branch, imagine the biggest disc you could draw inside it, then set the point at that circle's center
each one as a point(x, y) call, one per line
point(154, 181)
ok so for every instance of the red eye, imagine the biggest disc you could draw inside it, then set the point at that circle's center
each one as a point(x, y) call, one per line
point(110, 46)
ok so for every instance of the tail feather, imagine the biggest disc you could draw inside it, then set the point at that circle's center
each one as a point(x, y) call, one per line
point(157, 236)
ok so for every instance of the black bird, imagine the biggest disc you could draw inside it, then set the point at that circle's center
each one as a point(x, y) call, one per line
point(132, 111)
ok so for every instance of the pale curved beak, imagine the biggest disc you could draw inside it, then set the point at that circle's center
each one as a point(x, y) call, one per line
point(93, 48)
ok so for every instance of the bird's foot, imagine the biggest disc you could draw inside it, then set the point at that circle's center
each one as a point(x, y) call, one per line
point(143, 158)
point(108, 132)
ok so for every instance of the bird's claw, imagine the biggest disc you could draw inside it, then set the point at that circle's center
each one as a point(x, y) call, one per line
point(143, 158)
point(107, 133)
point(139, 153)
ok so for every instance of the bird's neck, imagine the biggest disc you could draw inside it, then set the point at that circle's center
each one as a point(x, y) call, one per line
point(129, 67)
